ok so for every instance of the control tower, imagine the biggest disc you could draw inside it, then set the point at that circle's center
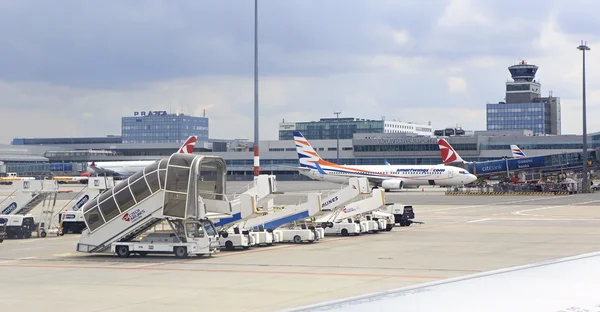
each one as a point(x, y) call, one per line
point(524, 108)
point(523, 88)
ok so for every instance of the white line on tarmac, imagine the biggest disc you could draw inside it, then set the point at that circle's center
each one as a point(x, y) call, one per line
point(491, 204)
point(26, 258)
point(480, 220)
point(144, 265)
point(521, 212)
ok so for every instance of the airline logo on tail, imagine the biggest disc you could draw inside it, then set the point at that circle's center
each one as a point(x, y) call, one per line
point(307, 156)
point(449, 155)
point(188, 145)
point(516, 152)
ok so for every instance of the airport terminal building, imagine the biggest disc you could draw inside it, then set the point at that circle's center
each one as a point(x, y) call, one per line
point(63, 156)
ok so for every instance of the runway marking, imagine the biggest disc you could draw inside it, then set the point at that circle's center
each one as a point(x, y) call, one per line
point(66, 254)
point(520, 212)
point(26, 258)
point(146, 268)
point(489, 205)
point(480, 220)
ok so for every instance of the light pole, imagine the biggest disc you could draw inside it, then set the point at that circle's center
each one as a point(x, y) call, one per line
point(585, 185)
point(256, 157)
point(337, 133)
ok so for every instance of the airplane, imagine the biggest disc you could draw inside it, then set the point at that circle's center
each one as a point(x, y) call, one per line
point(388, 177)
point(450, 156)
point(127, 168)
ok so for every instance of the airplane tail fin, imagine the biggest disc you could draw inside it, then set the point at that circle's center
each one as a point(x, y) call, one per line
point(307, 156)
point(449, 155)
point(516, 152)
point(188, 145)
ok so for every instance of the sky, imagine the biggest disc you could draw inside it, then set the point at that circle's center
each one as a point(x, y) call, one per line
point(75, 69)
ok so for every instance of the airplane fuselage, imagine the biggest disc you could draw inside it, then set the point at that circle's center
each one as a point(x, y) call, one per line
point(416, 175)
point(123, 168)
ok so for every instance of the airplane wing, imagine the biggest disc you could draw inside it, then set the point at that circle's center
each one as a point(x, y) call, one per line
point(561, 285)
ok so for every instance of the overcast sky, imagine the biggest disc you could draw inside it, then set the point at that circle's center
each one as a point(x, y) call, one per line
point(74, 67)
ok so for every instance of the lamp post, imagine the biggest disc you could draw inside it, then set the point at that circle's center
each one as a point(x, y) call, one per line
point(585, 185)
point(256, 157)
point(337, 133)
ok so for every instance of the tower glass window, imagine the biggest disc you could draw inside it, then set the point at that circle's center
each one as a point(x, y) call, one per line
point(167, 128)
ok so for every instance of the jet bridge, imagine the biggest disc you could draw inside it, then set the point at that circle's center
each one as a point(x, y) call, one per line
point(182, 188)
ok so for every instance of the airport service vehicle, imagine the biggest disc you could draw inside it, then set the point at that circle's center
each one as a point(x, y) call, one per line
point(166, 243)
point(127, 168)
point(388, 177)
point(180, 190)
point(71, 220)
point(304, 234)
point(403, 215)
point(26, 195)
point(231, 236)
point(20, 226)
point(358, 210)
point(275, 218)
point(3, 224)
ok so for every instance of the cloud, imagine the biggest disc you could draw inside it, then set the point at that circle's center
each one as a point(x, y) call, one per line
point(75, 69)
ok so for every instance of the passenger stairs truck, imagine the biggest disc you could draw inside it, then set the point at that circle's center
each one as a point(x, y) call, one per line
point(27, 195)
point(273, 219)
point(71, 219)
point(181, 190)
point(244, 205)
point(356, 189)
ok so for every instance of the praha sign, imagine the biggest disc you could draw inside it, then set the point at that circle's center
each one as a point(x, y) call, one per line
point(151, 113)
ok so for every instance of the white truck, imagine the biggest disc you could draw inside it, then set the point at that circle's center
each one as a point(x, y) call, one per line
point(196, 240)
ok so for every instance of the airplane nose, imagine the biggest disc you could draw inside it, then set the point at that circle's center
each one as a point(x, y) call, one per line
point(472, 178)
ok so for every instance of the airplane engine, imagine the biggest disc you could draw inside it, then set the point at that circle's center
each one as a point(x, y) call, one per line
point(394, 184)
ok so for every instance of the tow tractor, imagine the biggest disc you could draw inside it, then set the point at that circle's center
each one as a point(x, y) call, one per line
point(3, 223)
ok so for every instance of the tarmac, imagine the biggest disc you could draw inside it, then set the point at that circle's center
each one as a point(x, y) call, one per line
point(462, 235)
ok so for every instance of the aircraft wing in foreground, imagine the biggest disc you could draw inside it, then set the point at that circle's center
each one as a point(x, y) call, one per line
point(562, 285)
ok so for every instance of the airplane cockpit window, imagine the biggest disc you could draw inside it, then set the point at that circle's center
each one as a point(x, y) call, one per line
point(463, 172)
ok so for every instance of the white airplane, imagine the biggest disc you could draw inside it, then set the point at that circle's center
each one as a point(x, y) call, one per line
point(127, 168)
point(388, 177)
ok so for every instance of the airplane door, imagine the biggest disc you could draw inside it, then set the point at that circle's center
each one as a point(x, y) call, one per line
point(450, 173)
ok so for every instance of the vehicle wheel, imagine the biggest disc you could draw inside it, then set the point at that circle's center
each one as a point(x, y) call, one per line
point(229, 245)
point(42, 234)
point(1, 240)
point(344, 232)
point(180, 252)
point(389, 227)
point(123, 251)
point(297, 239)
point(246, 247)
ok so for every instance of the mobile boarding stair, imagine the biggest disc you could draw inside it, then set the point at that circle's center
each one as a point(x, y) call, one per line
point(359, 213)
point(261, 190)
point(356, 189)
point(71, 218)
point(273, 218)
point(27, 195)
point(182, 190)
